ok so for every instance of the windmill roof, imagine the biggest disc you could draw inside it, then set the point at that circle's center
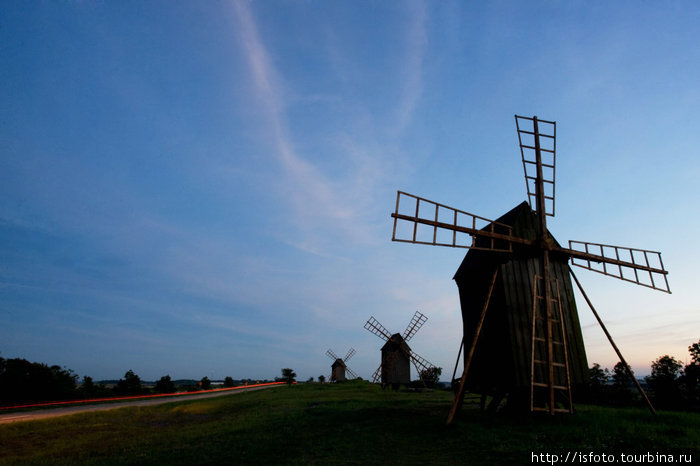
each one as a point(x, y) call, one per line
point(523, 220)
point(396, 340)
point(338, 362)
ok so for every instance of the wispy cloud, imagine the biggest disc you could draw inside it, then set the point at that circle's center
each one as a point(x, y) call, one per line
point(311, 192)
point(340, 202)
point(412, 74)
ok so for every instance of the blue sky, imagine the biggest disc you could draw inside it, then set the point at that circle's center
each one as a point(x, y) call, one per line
point(204, 188)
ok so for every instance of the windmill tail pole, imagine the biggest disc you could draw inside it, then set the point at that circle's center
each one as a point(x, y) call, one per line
point(617, 350)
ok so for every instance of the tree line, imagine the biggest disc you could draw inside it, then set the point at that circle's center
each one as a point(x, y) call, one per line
point(671, 384)
point(22, 381)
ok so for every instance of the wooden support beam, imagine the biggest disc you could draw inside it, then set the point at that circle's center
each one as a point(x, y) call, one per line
point(459, 396)
point(617, 350)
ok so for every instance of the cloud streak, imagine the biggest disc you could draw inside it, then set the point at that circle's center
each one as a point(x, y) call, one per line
point(319, 205)
point(312, 193)
point(412, 86)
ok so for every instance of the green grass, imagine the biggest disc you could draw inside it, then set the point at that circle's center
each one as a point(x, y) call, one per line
point(336, 423)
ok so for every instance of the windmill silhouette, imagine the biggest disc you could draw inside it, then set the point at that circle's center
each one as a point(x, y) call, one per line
point(395, 366)
point(339, 366)
point(515, 285)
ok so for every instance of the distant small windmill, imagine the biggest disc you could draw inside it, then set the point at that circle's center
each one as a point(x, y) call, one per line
point(340, 367)
point(515, 285)
point(395, 367)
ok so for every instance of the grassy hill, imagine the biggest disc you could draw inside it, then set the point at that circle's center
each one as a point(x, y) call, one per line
point(338, 423)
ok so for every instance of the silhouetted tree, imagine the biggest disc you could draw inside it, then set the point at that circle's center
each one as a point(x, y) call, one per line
point(321, 378)
point(63, 382)
point(694, 350)
point(597, 390)
point(288, 375)
point(165, 385)
point(621, 378)
point(597, 377)
point(689, 381)
point(129, 385)
point(431, 376)
point(21, 380)
point(662, 381)
point(205, 383)
point(228, 382)
point(88, 386)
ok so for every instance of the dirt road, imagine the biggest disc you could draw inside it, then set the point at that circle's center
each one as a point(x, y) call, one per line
point(55, 412)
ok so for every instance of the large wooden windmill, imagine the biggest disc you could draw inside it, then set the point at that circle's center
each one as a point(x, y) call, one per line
point(339, 366)
point(395, 367)
point(515, 285)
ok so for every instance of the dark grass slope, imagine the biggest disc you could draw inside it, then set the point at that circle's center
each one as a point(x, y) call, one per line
point(350, 423)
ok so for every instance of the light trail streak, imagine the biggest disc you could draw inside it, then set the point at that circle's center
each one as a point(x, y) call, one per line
point(135, 397)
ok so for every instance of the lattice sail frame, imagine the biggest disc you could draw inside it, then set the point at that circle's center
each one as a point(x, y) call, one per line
point(440, 218)
point(640, 266)
point(416, 323)
point(539, 136)
point(378, 329)
point(351, 353)
point(420, 363)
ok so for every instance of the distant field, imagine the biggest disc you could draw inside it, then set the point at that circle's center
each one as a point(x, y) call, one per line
point(338, 424)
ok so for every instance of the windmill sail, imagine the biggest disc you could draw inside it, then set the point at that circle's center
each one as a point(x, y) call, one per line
point(537, 138)
point(639, 266)
point(350, 354)
point(416, 323)
point(421, 221)
point(420, 363)
point(378, 329)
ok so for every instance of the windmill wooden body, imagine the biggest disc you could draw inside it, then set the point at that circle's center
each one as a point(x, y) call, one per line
point(395, 368)
point(522, 337)
point(339, 367)
point(396, 361)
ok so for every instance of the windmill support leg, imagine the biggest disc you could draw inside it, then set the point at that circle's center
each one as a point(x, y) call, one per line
point(459, 353)
point(617, 350)
point(459, 396)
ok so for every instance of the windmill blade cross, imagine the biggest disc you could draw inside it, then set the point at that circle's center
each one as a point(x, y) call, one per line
point(416, 323)
point(421, 364)
point(351, 353)
point(347, 369)
point(378, 329)
point(377, 374)
point(331, 355)
point(420, 221)
point(640, 266)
